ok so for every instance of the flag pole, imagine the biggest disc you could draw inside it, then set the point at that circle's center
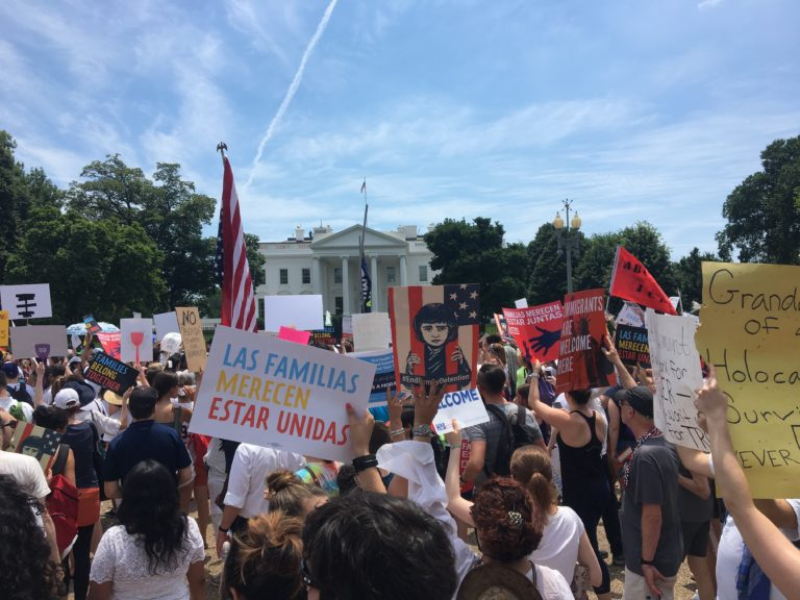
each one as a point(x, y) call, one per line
point(362, 259)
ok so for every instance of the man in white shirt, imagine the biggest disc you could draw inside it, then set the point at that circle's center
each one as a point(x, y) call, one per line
point(246, 484)
point(20, 410)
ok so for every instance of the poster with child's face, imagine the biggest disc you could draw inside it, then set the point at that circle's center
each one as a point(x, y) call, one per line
point(435, 334)
point(35, 441)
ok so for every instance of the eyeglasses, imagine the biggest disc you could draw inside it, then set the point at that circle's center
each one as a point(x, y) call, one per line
point(305, 573)
point(11, 424)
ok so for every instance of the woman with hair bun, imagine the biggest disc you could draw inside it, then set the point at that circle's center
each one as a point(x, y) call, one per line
point(564, 540)
point(265, 559)
point(287, 493)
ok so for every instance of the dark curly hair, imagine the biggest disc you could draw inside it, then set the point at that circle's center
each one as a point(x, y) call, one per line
point(435, 312)
point(151, 509)
point(26, 570)
point(505, 521)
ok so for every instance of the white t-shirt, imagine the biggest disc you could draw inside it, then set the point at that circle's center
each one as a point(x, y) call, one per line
point(561, 538)
point(550, 583)
point(729, 556)
point(27, 471)
point(121, 558)
point(248, 476)
point(27, 410)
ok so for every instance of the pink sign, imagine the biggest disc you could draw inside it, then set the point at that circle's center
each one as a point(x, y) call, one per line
point(293, 335)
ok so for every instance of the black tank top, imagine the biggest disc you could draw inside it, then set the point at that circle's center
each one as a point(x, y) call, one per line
point(585, 462)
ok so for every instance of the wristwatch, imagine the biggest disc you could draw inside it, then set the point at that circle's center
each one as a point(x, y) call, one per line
point(422, 431)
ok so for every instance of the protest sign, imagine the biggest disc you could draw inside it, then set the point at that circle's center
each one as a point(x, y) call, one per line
point(324, 337)
point(347, 325)
point(502, 327)
point(165, 323)
point(464, 405)
point(194, 344)
point(293, 335)
point(631, 314)
point(40, 341)
point(632, 345)
point(301, 312)
point(536, 330)
point(264, 391)
point(371, 331)
point(136, 344)
point(92, 326)
point(750, 333)
point(521, 303)
point(581, 362)
point(435, 334)
point(384, 374)
point(111, 343)
point(3, 328)
point(35, 441)
point(677, 374)
point(30, 301)
point(110, 373)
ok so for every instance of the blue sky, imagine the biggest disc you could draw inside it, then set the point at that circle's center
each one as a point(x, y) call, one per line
point(635, 109)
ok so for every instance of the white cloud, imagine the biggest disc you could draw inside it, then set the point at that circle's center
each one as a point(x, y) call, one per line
point(706, 4)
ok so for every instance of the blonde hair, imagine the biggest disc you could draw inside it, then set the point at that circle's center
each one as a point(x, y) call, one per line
point(287, 493)
point(530, 465)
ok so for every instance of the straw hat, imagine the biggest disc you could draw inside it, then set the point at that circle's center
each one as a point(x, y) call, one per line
point(112, 398)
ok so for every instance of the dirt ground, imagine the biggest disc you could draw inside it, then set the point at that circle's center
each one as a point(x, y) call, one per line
point(684, 589)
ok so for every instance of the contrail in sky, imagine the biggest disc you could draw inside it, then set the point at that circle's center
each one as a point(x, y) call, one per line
point(287, 99)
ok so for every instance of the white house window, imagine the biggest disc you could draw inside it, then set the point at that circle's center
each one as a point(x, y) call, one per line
point(423, 273)
point(391, 277)
point(284, 276)
point(337, 275)
point(306, 276)
point(339, 305)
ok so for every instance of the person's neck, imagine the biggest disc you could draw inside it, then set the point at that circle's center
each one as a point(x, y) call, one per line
point(523, 565)
point(641, 427)
point(498, 399)
point(150, 418)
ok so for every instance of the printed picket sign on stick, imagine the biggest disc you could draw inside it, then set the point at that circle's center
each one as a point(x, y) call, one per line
point(384, 374)
point(40, 341)
point(4, 328)
point(502, 327)
point(111, 374)
point(536, 329)
point(92, 326)
point(30, 301)
point(751, 333)
point(194, 344)
point(136, 343)
point(677, 374)
point(581, 362)
point(264, 391)
point(632, 345)
point(111, 342)
point(38, 442)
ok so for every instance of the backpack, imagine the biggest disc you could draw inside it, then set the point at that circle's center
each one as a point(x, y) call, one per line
point(20, 394)
point(514, 436)
point(62, 504)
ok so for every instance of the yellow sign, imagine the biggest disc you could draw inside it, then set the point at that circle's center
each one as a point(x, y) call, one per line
point(194, 344)
point(4, 328)
point(751, 333)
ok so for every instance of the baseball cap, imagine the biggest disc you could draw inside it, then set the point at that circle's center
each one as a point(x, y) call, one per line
point(11, 370)
point(67, 398)
point(640, 398)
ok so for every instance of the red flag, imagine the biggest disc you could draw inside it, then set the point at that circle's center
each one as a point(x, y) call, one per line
point(631, 281)
point(233, 270)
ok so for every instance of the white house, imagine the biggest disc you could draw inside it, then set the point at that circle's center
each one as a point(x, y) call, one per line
point(328, 263)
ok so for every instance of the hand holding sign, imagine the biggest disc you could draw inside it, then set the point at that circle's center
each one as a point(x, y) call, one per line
point(711, 400)
point(360, 430)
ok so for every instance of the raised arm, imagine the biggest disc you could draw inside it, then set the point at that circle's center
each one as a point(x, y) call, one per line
point(461, 509)
point(626, 380)
point(776, 555)
point(555, 417)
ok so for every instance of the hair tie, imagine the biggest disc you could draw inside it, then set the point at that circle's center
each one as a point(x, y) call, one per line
point(515, 518)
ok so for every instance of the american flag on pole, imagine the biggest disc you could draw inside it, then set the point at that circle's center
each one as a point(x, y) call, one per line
point(232, 268)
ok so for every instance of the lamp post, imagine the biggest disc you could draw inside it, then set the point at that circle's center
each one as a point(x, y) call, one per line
point(567, 236)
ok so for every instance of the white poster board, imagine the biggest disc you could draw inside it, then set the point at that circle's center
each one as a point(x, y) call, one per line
point(136, 342)
point(165, 323)
point(464, 405)
point(40, 341)
point(371, 331)
point(300, 312)
point(677, 374)
point(631, 314)
point(30, 301)
point(269, 392)
point(347, 325)
point(521, 303)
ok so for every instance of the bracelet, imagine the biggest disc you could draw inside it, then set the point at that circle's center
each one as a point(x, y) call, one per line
point(400, 431)
point(535, 376)
point(223, 530)
point(362, 463)
point(646, 563)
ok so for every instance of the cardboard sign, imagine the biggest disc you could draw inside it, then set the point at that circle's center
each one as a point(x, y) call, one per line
point(632, 345)
point(194, 343)
point(35, 441)
point(435, 334)
point(165, 323)
point(293, 335)
point(521, 303)
point(464, 405)
point(371, 331)
point(4, 328)
point(301, 312)
point(677, 374)
point(110, 374)
point(631, 314)
point(92, 325)
point(347, 325)
point(26, 301)
point(111, 343)
point(40, 341)
point(536, 330)
point(136, 343)
point(581, 362)
point(384, 374)
point(750, 333)
point(264, 391)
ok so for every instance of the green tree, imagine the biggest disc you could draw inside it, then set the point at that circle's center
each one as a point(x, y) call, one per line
point(689, 276)
point(763, 212)
point(474, 253)
point(547, 267)
point(211, 305)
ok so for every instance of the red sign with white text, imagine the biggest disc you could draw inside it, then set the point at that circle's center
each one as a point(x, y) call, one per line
point(536, 330)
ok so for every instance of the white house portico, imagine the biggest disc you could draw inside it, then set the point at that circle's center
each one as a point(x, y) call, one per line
point(328, 263)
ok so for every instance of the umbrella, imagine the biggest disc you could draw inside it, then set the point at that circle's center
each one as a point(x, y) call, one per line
point(80, 328)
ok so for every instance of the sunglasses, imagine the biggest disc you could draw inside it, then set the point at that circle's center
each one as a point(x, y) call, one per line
point(305, 574)
point(11, 424)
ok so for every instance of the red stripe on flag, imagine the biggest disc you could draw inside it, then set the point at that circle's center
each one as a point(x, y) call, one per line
point(417, 346)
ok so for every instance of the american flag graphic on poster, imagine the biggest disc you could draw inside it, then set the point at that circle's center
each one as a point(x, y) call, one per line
point(435, 334)
point(35, 441)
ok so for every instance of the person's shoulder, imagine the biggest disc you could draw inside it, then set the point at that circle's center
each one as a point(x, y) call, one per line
point(164, 430)
point(552, 581)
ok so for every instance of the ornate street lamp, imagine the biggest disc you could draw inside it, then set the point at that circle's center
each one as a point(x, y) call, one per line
point(567, 236)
